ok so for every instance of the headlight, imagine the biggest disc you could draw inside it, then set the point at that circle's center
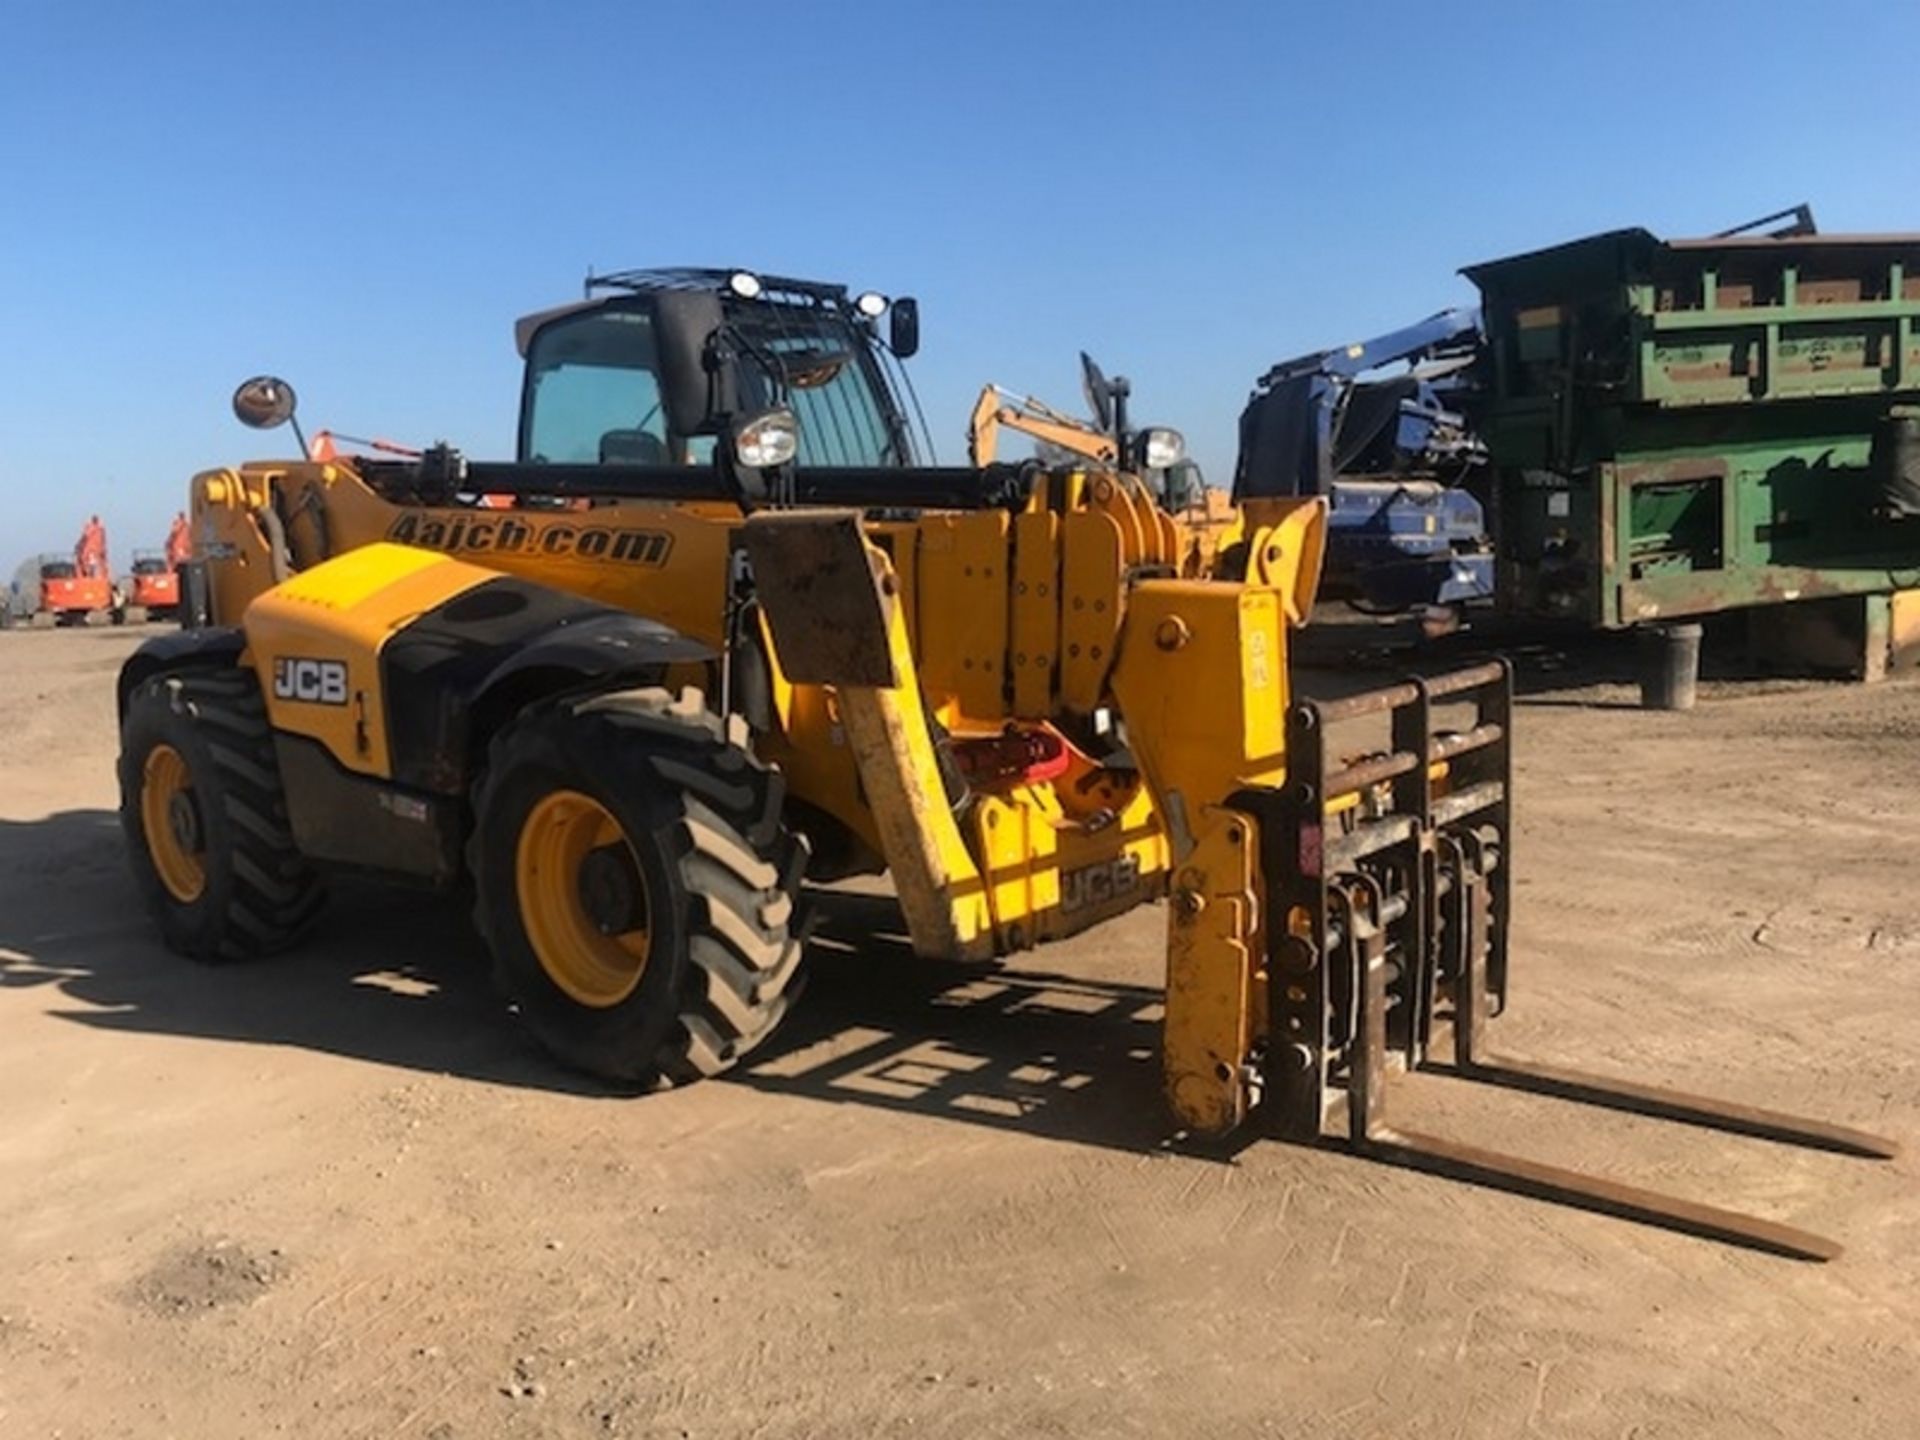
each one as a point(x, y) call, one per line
point(768, 439)
point(745, 284)
point(1161, 447)
point(872, 304)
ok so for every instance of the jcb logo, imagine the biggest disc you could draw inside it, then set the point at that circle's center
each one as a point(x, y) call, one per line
point(1101, 884)
point(317, 682)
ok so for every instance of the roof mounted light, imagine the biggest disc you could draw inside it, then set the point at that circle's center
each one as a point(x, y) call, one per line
point(871, 304)
point(745, 284)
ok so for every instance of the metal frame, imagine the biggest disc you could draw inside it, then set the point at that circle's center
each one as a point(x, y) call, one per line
point(688, 277)
point(1395, 900)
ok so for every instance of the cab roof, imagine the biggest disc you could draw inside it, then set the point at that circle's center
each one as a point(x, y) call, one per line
point(775, 290)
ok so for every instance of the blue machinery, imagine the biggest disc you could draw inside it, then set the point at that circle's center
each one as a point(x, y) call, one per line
point(1394, 457)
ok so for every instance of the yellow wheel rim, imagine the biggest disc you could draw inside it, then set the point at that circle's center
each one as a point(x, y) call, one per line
point(170, 819)
point(583, 899)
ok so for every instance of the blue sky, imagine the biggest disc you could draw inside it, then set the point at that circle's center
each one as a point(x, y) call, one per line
point(362, 197)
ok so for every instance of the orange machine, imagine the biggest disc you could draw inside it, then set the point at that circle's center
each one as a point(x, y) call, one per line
point(152, 590)
point(77, 591)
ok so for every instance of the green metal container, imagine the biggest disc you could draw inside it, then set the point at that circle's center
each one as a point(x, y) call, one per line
point(1682, 427)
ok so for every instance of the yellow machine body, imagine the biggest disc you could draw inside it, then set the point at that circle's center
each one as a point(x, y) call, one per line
point(1047, 618)
point(315, 641)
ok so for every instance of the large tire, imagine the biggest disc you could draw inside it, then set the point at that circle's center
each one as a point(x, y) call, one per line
point(222, 877)
point(674, 978)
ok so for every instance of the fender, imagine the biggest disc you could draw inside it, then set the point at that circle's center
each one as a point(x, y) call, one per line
point(198, 649)
point(450, 677)
point(460, 670)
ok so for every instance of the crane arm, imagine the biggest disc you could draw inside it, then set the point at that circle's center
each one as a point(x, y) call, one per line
point(997, 409)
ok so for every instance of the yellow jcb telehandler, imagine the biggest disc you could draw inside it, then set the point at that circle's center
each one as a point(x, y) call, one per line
point(717, 628)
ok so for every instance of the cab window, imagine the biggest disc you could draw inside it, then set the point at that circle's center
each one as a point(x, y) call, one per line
point(593, 393)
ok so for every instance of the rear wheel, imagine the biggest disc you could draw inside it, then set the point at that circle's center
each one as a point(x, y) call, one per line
point(205, 821)
point(636, 885)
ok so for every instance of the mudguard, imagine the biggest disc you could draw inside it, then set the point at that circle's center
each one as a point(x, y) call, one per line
point(386, 671)
point(449, 678)
point(396, 659)
point(219, 645)
point(457, 672)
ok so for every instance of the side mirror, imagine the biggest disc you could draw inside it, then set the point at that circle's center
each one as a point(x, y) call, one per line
point(694, 397)
point(903, 336)
point(265, 402)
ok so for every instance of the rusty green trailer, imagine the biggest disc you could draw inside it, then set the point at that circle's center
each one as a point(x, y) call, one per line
point(1683, 427)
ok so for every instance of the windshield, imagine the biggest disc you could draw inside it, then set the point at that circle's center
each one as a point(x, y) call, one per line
point(593, 390)
point(831, 386)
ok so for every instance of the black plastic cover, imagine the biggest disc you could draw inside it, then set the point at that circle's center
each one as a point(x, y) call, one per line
point(462, 669)
point(1278, 446)
point(214, 646)
point(358, 822)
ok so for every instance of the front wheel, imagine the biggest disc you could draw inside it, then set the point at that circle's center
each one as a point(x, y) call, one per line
point(205, 821)
point(636, 886)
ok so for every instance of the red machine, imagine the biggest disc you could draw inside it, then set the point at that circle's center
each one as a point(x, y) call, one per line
point(326, 446)
point(77, 591)
point(153, 589)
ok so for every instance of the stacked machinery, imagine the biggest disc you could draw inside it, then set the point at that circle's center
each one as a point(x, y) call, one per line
point(1631, 430)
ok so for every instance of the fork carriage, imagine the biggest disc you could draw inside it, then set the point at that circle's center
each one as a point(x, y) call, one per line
point(1401, 864)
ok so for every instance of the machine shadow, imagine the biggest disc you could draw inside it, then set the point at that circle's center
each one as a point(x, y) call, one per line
point(393, 977)
point(398, 978)
point(1011, 1048)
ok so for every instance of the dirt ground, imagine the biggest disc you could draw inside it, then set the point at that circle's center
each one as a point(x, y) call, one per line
point(337, 1194)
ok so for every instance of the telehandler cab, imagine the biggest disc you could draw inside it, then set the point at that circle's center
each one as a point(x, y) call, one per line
point(718, 629)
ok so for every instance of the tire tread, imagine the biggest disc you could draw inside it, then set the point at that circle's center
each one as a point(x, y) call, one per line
point(740, 866)
point(275, 894)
